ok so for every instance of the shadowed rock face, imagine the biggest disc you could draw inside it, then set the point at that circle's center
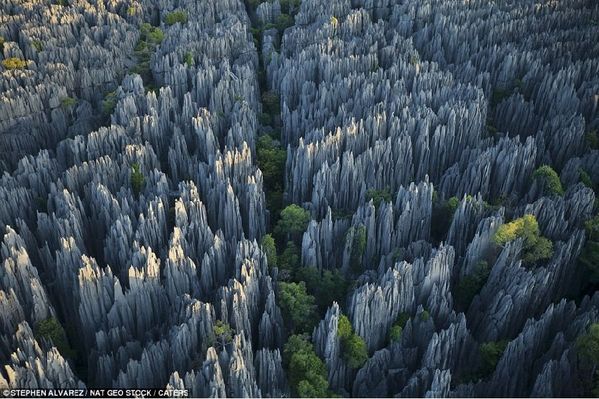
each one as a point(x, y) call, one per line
point(132, 204)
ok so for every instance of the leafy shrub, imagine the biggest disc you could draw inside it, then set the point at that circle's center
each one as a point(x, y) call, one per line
point(325, 285)
point(68, 102)
point(223, 333)
point(377, 196)
point(442, 215)
point(592, 139)
point(306, 371)
point(549, 180)
point(284, 21)
point(425, 315)
point(289, 259)
point(589, 256)
point(535, 248)
point(109, 103)
point(334, 21)
point(585, 179)
point(293, 222)
point(287, 6)
point(269, 248)
point(358, 247)
point(498, 96)
point(151, 34)
point(587, 347)
point(271, 160)
point(137, 179)
point(178, 16)
point(51, 330)
point(397, 327)
point(189, 59)
point(13, 63)
point(470, 285)
point(353, 347)
point(271, 102)
point(297, 305)
point(37, 45)
point(490, 353)
point(265, 119)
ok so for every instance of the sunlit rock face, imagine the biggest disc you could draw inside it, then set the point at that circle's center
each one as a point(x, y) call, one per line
point(135, 194)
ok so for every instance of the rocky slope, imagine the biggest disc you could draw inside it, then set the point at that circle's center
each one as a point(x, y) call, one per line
point(133, 206)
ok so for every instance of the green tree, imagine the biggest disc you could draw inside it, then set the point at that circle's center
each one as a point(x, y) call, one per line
point(397, 327)
point(271, 102)
point(151, 34)
point(443, 212)
point(223, 333)
point(189, 59)
point(137, 179)
point(51, 330)
point(589, 256)
point(549, 180)
point(293, 222)
point(326, 285)
point(358, 247)
point(14, 63)
point(378, 196)
point(67, 102)
point(178, 16)
point(289, 260)
point(535, 248)
point(587, 347)
point(284, 21)
point(271, 160)
point(297, 305)
point(470, 285)
point(585, 179)
point(109, 103)
point(490, 353)
point(354, 350)
point(592, 139)
point(270, 249)
point(306, 371)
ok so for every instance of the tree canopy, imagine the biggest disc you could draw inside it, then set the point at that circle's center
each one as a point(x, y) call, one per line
point(549, 180)
point(137, 179)
point(51, 330)
point(535, 248)
point(355, 352)
point(297, 305)
point(307, 372)
point(293, 222)
point(270, 249)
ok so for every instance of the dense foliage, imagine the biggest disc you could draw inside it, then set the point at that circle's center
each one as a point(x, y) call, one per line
point(307, 372)
point(298, 307)
point(535, 248)
point(549, 180)
point(51, 330)
point(355, 352)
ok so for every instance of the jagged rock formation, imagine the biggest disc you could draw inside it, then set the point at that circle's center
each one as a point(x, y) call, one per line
point(132, 204)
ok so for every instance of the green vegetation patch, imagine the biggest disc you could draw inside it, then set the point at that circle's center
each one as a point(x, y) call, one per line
point(549, 180)
point(137, 179)
point(177, 16)
point(536, 248)
point(298, 307)
point(51, 330)
point(353, 347)
point(306, 371)
point(470, 285)
point(13, 63)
